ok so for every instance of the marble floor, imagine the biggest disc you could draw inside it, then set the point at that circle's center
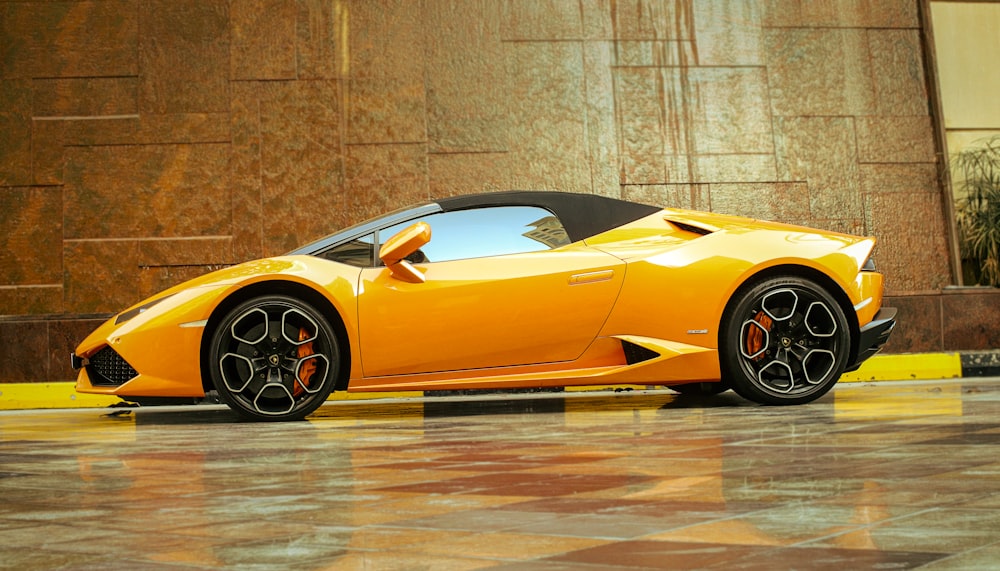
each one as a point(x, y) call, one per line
point(872, 476)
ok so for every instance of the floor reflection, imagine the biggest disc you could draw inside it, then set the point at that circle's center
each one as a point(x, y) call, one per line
point(896, 475)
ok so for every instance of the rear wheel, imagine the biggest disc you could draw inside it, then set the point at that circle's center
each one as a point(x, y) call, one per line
point(274, 357)
point(786, 341)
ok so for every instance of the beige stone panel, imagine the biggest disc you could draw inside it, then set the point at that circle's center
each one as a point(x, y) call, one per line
point(32, 299)
point(245, 170)
point(386, 110)
point(69, 39)
point(968, 48)
point(639, 169)
point(841, 13)
point(184, 56)
point(51, 136)
point(689, 196)
point(653, 124)
point(262, 39)
point(912, 251)
point(649, 53)
point(195, 251)
point(31, 239)
point(322, 36)
point(899, 177)
point(541, 20)
point(48, 140)
point(729, 110)
point(781, 201)
point(146, 191)
point(895, 139)
point(25, 360)
point(86, 96)
point(735, 168)
point(385, 40)
point(382, 178)
point(100, 275)
point(603, 153)
point(302, 163)
point(652, 20)
point(728, 32)
point(15, 132)
point(467, 96)
point(822, 152)
point(819, 71)
point(452, 174)
point(898, 72)
point(547, 128)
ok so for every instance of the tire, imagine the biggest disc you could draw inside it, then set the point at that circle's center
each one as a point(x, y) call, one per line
point(274, 358)
point(786, 341)
point(701, 388)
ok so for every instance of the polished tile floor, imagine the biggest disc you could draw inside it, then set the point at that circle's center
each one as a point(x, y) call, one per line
point(886, 476)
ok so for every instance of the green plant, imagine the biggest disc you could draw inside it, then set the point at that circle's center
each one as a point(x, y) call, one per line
point(977, 208)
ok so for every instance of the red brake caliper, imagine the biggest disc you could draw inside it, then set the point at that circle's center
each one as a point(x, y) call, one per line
point(755, 337)
point(309, 367)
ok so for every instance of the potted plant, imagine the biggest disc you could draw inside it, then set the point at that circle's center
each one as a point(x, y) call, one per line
point(977, 210)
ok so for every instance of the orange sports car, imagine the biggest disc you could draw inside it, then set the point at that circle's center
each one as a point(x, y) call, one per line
point(508, 290)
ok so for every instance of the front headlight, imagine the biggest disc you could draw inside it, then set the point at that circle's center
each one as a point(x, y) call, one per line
point(126, 315)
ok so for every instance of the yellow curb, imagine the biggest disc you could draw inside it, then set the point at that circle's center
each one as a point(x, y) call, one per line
point(23, 396)
point(907, 367)
point(913, 366)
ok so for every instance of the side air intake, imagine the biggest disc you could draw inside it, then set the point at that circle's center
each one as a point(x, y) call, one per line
point(637, 353)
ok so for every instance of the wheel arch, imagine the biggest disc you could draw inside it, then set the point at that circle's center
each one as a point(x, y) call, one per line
point(799, 271)
point(283, 287)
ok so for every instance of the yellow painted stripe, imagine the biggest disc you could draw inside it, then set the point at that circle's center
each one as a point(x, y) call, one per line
point(907, 367)
point(21, 396)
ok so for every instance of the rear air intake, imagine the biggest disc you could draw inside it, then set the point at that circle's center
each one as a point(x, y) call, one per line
point(690, 227)
point(107, 368)
point(637, 353)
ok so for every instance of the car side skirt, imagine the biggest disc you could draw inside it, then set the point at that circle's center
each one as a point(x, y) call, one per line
point(605, 362)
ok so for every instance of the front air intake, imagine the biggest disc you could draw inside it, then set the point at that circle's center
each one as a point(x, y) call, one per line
point(108, 369)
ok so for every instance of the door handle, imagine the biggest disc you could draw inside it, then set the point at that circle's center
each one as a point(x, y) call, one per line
point(591, 277)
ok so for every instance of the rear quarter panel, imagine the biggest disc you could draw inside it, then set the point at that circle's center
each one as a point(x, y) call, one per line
point(678, 289)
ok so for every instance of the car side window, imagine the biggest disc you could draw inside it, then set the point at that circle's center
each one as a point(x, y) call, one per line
point(482, 232)
point(359, 252)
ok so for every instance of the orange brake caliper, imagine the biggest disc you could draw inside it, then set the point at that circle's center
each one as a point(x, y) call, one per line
point(755, 337)
point(309, 367)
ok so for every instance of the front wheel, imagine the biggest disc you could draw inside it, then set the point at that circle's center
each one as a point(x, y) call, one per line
point(786, 341)
point(274, 358)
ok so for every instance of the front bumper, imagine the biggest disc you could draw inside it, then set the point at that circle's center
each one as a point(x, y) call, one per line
point(873, 336)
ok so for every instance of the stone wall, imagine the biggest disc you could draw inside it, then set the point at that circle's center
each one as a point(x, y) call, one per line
point(143, 142)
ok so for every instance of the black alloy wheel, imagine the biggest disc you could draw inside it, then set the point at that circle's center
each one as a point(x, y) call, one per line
point(274, 358)
point(786, 341)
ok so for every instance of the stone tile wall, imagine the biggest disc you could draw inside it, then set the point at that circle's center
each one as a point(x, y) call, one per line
point(143, 142)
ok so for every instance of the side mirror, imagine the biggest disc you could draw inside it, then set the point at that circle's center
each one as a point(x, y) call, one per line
point(394, 251)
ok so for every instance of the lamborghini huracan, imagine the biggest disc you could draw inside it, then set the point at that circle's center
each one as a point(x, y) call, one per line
point(508, 290)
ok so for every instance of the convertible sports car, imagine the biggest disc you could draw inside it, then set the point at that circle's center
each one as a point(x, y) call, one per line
point(508, 290)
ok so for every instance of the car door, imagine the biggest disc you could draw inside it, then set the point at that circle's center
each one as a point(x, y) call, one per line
point(502, 287)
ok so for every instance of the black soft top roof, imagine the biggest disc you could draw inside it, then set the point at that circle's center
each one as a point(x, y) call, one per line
point(582, 215)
